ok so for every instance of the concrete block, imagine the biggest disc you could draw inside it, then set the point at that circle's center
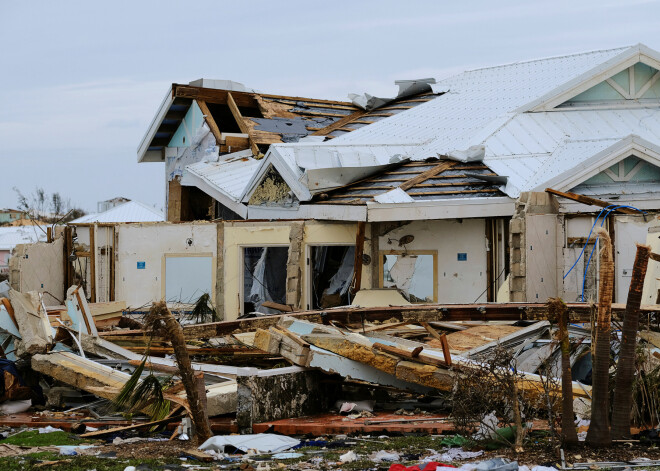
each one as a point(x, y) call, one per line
point(281, 394)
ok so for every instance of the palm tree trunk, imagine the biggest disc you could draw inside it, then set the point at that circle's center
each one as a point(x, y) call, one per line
point(625, 368)
point(599, 429)
point(559, 312)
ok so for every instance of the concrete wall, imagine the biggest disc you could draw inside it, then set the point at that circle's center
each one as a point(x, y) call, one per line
point(541, 257)
point(39, 267)
point(458, 281)
point(142, 250)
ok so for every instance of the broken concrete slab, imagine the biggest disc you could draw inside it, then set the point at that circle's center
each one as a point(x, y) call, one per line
point(281, 394)
point(33, 323)
point(80, 373)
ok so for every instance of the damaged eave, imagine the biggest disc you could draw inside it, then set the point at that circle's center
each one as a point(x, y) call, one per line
point(328, 212)
point(441, 209)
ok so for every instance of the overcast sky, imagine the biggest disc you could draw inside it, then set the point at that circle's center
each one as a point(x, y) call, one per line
point(80, 81)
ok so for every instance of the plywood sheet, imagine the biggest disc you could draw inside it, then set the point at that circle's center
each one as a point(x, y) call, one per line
point(475, 336)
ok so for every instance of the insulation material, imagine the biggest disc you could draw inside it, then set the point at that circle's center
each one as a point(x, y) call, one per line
point(272, 189)
point(265, 278)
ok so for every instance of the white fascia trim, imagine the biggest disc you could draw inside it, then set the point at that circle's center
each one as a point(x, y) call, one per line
point(287, 174)
point(321, 212)
point(630, 145)
point(649, 203)
point(627, 58)
point(143, 155)
point(203, 184)
point(442, 209)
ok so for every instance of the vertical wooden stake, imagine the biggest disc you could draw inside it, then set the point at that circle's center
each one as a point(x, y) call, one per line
point(357, 262)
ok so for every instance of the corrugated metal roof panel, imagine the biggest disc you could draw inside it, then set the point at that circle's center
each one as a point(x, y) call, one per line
point(10, 237)
point(133, 211)
point(229, 176)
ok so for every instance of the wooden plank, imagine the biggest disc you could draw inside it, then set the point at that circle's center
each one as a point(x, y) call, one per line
point(100, 433)
point(245, 129)
point(338, 124)
point(277, 306)
point(458, 192)
point(441, 167)
point(590, 201)
point(208, 117)
point(580, 312)
point(212, 95)
point(357, 261)
point(92, 263)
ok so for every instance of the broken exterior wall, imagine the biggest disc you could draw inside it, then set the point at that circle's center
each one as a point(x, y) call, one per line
point(461, 248)
point(531, 224)
point(143, 251)
point(274, 395)
point(39, 267)
point(239, 234)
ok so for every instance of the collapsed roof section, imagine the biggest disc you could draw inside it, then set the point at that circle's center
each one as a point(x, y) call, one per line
point(230, 108)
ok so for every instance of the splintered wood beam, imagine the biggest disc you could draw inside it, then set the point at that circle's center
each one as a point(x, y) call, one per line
point(357, 262)
point(245, 129)
point(441, 167)
point(210, 121)
point(338, 124)
point(588, 200)
point(212, 95)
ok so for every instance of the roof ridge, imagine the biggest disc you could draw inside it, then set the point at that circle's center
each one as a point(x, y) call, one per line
point(583, 53)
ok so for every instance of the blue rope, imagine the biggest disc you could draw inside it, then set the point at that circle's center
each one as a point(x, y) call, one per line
point(586, 268)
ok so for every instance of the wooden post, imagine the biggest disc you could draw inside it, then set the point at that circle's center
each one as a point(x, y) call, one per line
point(113, 251)
point(92, 263)
point(357, 262)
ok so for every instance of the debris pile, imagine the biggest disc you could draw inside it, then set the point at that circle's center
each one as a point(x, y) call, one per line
point(104, 373)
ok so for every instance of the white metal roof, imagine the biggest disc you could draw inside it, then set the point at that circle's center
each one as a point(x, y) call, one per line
point(489, 107)
point(14, 235)
point(133, 211)
point(225, 180)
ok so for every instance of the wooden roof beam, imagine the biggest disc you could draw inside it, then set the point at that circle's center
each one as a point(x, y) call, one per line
point(338, 124)
point(210, 121)
point(441, 167)
point(590, 201)
point(245, 129)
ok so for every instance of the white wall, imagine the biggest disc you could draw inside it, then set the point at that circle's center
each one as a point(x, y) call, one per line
point(148, 244)
point(458, 281)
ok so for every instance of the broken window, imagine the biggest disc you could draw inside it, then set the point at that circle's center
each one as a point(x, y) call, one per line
point(331, 274)
point(264, 277)
point(412, 273)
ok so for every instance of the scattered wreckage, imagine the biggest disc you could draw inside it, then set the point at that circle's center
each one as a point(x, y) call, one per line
point(383, 369)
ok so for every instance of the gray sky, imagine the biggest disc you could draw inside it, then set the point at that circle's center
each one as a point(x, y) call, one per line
point(80, 81)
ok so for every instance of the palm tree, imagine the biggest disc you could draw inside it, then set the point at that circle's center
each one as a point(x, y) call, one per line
point(625, 368)
point(558, 312)
point(599, 429)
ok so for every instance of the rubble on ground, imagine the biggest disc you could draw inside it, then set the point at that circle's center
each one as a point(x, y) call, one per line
point(354, 372)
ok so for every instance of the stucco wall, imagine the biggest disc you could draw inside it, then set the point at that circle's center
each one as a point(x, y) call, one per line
point(458, 281)
point(141, 254)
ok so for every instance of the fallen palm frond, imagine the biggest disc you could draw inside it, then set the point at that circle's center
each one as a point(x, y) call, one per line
point(143, 395)
point(203, 310)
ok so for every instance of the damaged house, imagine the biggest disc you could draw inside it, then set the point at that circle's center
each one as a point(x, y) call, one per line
point(277, 203)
